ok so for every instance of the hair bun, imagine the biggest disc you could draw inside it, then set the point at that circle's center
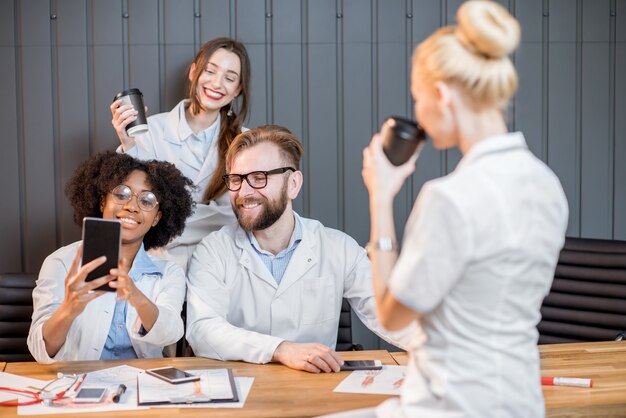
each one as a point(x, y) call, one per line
point(487, 28)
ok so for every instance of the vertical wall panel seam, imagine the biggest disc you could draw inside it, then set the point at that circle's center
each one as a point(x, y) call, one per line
point(408, 47)
point(54, 103)
point(90, 74)
point(374, 55)
point(233, 19)
point(306, 129)
point(612, 104)
point(545, 75)
point(269, 62)
point(161, 54)
point(512, 125)
point(21, 152)
point(341, 218)
point(578, 112)
point(125, 44)
point(443, 20)
point(197, 27)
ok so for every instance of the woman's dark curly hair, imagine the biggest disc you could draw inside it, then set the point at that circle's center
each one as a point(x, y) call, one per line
point(100, 174)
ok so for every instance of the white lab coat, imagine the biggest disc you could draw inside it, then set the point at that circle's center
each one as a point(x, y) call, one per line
point(166, 140)
point(88, 333)
point(237, 311)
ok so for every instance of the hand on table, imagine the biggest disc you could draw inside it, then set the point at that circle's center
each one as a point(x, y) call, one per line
point(310, 357)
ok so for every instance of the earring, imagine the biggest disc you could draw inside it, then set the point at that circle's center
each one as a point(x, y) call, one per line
point(230, 111)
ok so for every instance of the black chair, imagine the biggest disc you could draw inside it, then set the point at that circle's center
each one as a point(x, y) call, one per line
point(587, 301)
point(344, 335)
point(16, 310)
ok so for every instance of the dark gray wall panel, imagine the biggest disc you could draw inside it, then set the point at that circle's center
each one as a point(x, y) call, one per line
point(286, 21)
point(426, 18)
point(108, 79)
point(34, 21)
point(323, 179)
point(10, 205)
point(178, 22)
point(71, 22)
point(287, 93)
point(596, 164)
point(250, 21)
point(142, 16)
point(259, 89)
point(563, 149)
point(177, 60)
point(619, 186)
point(529, 106)
point(620, 146)
point(39, 165)
point(215, 19)
point(145, 75)
point(105, 22)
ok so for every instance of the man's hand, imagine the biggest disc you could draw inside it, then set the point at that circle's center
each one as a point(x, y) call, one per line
point(311, 357)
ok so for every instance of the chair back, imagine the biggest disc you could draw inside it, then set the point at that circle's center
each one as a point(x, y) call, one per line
point(16, 310)
point(344, 334)
point(587, 301)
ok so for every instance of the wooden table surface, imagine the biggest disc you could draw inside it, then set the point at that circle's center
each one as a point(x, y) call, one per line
point(2, 366)
point(603, 362)
point(277, 391)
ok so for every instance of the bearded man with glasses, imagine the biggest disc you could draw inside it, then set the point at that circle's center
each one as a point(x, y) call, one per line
point(270, 287)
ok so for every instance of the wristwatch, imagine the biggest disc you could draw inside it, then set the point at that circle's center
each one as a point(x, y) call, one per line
point(385, 244)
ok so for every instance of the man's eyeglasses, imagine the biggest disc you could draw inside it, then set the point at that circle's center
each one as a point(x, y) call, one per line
point(145, 200)
point(256, 179)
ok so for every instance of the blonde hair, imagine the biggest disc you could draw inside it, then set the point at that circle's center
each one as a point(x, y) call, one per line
point(474, 54)
point(290, 147)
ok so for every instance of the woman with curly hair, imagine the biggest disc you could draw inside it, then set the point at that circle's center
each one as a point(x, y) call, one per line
point(72, 320)
point(195, 135)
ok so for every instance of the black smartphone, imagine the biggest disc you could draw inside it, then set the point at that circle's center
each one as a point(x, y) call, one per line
point(101, 237)
point(361, 365)
point(172, 375)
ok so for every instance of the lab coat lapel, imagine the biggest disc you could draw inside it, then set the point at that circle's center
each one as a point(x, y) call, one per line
point(302, 260)
point(250, 261)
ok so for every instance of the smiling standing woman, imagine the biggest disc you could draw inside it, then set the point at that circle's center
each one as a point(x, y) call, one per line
point(481, 244)
point(195, 135)
point(72, 321)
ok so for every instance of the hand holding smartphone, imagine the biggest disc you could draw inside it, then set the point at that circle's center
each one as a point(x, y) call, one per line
point(172, 375)
point(101, 237)
point(350, 365)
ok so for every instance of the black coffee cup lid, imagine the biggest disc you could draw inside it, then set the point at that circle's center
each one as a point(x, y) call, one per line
point(127, 93)
point(403, 127)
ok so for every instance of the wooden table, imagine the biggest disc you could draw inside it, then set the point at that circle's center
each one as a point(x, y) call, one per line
point(603, 362)
point(277, 390)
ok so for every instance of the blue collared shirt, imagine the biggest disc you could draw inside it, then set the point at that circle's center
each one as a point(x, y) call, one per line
point(118, 345)
point(277, 264)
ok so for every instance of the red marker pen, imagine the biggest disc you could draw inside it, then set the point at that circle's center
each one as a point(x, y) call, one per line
point(566, 381)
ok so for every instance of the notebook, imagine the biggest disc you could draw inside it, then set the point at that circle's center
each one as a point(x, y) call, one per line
point(215, 385)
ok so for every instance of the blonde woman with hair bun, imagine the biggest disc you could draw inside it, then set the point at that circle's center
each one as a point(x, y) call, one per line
point(481, 243)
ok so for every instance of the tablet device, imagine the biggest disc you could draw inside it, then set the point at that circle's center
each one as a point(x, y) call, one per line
point(101, 237)
point(361, 365)
point(172, 375)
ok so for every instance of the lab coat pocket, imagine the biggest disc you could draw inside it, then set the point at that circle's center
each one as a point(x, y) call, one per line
point(318, 300)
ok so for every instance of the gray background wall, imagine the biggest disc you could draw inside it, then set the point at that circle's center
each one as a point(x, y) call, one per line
point(329, 70)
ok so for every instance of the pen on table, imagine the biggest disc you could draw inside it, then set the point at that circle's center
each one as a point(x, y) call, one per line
point(566, 381)
point(119, 392)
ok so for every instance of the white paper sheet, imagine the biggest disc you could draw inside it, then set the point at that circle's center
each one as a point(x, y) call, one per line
point(110, 378)
point(244, 385)
point(17, 382)
point(387, 381)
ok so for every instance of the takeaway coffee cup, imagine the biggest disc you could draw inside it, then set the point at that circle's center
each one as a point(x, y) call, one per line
point(134, 97)
point(401, 138)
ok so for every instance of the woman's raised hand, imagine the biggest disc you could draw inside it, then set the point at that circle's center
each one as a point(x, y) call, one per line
point(78, 292)
point(383, 179)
